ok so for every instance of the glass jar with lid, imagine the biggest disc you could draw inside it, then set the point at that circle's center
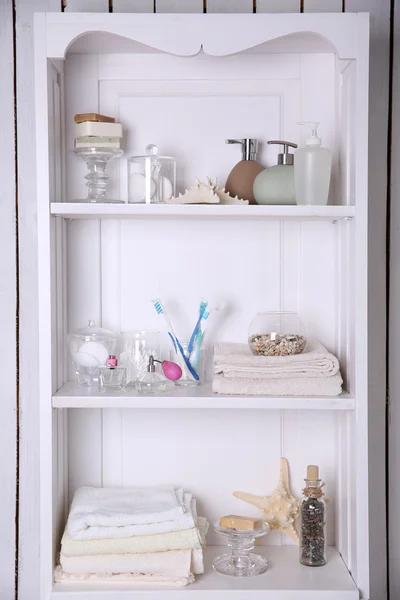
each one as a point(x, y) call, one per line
point(151, 178)
point(277, 334)
point(89, 349)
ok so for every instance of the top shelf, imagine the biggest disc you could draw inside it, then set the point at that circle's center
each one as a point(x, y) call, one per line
point(189, 34)
point(82, 210)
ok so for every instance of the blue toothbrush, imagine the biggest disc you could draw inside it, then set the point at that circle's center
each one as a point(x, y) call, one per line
point(177, 345)
point(197, 348)
point(203, 314)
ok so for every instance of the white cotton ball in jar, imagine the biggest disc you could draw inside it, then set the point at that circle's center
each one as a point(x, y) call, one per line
point(166, 190)
point(137, 188)
point(91, 354)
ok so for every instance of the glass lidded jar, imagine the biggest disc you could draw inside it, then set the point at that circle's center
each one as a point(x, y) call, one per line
point(89, 349)
point(312, 521)
point(151, 178)
point(277, 334)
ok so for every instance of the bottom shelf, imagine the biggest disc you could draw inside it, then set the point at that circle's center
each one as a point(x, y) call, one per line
point(286, 579)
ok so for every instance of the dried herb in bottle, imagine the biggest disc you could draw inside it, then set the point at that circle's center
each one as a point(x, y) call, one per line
point(313, 519)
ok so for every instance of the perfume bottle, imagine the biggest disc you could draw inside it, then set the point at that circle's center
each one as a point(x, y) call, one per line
point(112, 378)
point(151, 382)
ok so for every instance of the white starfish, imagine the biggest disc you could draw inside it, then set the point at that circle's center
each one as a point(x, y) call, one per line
point(280, 508)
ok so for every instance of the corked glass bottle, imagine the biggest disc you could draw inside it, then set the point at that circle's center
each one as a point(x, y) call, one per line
point(313, 519)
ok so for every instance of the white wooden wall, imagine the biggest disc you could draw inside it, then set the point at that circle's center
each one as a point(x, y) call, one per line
point(7, 306)
point(28, 550)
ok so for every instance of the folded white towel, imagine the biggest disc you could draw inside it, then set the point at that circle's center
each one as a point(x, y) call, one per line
point(236, 361)
point(133, 579)
point(140, 544)
point(123, 512)
point(313, 386)
point(176, 563)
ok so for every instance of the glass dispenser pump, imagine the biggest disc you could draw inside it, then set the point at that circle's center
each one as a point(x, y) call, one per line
point(313, 520)
point(312, 170)
point(241, 179)
point(275, 185)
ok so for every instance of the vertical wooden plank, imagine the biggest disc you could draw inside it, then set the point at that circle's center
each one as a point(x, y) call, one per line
point(28, 547)
point(229, 6)
point(85, 5)
point(84, 440)
point(321, 6)
point(277, 6)
point(133, 6)
point(394, 318)
point(8, 306)
point(179, 6)
point(377, 181)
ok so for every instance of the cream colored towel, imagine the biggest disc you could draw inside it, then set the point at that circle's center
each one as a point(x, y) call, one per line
point(176, 563)
point(236, 361)
point(140, 544)
point(98, 513)
point(313, 386)
point(140, 580)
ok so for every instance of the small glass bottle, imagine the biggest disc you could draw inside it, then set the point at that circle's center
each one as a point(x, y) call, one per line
point(313, 520)
point(151, 382)
point(112, 378)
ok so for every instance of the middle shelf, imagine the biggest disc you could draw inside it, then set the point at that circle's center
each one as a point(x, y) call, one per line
point(85, 210)
point(72, 395)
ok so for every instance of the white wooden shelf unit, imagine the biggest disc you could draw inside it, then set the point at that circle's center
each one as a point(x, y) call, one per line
point(187, 82)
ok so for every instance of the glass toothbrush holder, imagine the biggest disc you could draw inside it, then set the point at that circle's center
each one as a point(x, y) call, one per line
point(97, 179)
point(241, 562)
point(197, 360)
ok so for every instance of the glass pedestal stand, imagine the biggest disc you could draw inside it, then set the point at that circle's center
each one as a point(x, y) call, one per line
point(97, 179)
point(241, 562)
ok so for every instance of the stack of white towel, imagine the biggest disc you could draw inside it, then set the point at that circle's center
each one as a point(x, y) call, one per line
point(315, 372)
point(142, 535)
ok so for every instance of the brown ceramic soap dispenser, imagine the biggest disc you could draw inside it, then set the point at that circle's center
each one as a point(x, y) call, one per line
point(241, 178)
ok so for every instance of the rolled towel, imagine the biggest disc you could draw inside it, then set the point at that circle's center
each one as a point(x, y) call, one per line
point(61, 576)
point(140, 544)
point(236, 361)
point(177, 563)
point(98, 513)
point(313, 386)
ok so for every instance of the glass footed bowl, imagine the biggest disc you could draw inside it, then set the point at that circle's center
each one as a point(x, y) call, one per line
point(241, 562)
point(277, 334)
point(96, 160)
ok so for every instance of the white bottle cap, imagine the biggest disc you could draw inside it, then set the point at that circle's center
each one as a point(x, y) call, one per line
point(313, 140)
